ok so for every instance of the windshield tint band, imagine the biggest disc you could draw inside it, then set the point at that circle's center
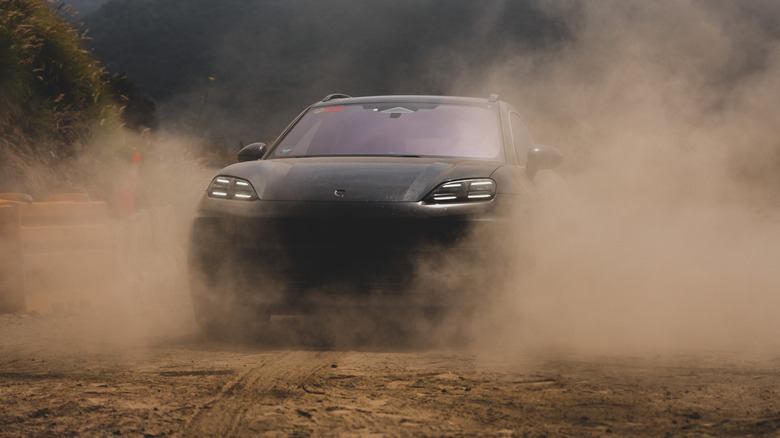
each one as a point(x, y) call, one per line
point(395, 129)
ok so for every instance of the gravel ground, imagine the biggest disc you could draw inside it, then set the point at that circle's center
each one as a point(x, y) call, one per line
point(87, 374)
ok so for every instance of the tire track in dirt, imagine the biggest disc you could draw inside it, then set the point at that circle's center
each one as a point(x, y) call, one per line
point(258, 389)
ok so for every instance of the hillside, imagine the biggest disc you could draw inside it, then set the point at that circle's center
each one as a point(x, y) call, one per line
point(56, 101)
point(257, 63)
point(52, 96)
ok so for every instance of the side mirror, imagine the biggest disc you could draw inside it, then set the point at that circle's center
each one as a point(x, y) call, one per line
point(252, 152)
point(542, 157)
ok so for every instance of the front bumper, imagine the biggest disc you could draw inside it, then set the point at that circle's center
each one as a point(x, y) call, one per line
point(290, 257)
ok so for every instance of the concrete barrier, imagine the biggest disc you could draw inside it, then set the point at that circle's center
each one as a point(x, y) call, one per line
point(56, 254)
point(68, 253)
point(11, 272)
point(17, 197)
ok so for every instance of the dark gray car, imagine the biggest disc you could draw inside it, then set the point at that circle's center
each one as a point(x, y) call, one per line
point(391, 203)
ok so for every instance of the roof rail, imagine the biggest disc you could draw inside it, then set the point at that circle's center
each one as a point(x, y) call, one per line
point(330, 97)
point(493, 97)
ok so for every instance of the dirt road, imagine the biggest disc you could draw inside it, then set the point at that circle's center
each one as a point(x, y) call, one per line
point(87, 375)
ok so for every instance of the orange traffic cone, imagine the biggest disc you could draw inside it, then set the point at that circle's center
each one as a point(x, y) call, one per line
point(126, 197)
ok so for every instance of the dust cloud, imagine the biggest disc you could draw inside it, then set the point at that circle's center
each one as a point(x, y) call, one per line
point(152, 291)
point(666, 232)
point(663, 229)
point(139, 296)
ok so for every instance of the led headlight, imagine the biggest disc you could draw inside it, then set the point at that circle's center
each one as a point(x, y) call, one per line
point(228, 187)
point(465, 190)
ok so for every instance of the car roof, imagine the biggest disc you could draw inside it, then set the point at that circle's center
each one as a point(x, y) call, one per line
point(341, 99)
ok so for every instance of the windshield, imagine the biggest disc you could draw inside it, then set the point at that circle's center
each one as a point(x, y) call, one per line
point(395, 129)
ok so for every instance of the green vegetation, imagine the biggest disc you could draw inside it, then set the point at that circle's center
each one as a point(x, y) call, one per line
point(54, 100)
point(51, 87)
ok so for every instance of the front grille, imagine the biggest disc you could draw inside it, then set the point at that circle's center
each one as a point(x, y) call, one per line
point(290, 260)
point(363, 253)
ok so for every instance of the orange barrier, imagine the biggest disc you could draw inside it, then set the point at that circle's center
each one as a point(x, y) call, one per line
point(64, 213)
point(68, 254)
point(55, 255)
point(18, 197)
point(70, 197)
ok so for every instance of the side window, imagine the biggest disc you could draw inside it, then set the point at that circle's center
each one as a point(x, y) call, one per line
point(521, 137)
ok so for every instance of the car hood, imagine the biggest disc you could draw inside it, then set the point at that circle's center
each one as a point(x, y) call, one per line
point(385, 179)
